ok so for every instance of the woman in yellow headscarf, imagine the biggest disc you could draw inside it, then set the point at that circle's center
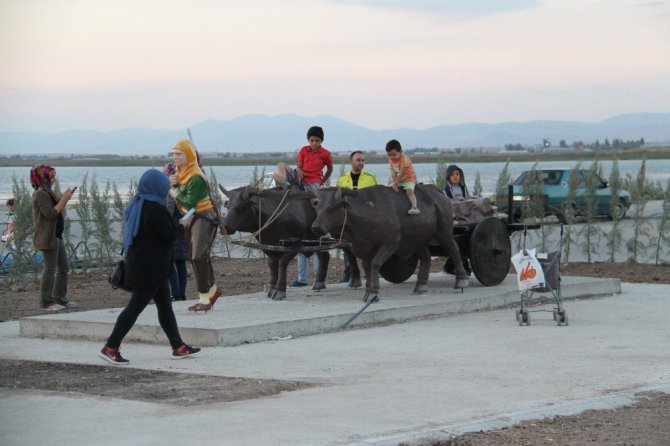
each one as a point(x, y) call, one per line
point(190, 190)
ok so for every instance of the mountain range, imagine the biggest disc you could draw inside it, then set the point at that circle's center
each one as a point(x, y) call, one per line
point(286, 133)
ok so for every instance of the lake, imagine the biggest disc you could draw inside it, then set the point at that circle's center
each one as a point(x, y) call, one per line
point(234, 176)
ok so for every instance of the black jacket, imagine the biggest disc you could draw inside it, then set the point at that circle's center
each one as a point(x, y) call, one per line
point(149, 258)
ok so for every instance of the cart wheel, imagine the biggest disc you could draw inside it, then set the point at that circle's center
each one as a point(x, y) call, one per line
point(398, 269)
point(518, 315)
point(490, 251)
point(555, 315)
point(563, 318)
point(526, 319)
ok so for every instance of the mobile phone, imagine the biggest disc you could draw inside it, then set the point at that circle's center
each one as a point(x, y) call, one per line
point(187, 215)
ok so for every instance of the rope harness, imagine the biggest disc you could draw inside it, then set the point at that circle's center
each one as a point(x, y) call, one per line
point(281, 207)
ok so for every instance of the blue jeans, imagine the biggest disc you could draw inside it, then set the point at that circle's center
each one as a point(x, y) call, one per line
point(303, 262)
point(303, 267)
point(178, 278)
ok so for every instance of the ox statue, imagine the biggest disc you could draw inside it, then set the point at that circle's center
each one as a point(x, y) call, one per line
point(272, 217)
point(375, 221)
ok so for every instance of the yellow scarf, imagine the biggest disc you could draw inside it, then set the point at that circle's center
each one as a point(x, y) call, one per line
point(192, 169)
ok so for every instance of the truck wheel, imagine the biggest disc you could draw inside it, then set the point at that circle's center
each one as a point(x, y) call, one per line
point(618, 212)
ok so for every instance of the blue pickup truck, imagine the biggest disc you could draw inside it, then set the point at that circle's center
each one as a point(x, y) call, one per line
point(554, 194)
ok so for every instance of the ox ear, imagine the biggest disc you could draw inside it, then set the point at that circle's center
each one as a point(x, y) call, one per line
point(344, 192)
point(341, 197)
point(224, 191)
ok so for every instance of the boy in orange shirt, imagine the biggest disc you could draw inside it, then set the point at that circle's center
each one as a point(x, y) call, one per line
point(402, 173)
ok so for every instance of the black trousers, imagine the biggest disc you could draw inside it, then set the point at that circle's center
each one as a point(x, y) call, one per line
point(139, 299)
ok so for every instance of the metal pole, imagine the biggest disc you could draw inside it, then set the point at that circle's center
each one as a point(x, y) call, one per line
point(374, 299)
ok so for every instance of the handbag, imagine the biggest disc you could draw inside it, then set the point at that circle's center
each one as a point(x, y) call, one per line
point(117, 275)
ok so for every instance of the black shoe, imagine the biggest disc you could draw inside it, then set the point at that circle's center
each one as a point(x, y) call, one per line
point(297, 283)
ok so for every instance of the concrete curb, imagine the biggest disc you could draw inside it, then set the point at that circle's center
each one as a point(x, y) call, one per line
point(444, 433)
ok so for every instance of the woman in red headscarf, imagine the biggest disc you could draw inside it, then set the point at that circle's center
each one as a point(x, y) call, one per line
point(190, 190)
point(48, 226)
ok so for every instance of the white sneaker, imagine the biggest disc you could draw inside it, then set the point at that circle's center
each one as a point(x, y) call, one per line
point(71, 304)
point(413, 211)
point(53, 308)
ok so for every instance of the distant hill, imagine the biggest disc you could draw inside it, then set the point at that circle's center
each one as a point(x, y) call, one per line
point(286, 133)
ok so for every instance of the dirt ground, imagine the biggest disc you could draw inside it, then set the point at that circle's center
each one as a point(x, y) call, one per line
point(645, 423)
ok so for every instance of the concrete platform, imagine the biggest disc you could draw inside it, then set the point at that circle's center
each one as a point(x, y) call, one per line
point(253, 318)
point(385, 385)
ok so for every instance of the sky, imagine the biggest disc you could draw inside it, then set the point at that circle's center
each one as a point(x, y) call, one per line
point(381, 64)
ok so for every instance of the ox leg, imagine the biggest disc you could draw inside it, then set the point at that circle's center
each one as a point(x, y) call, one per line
point(320, 282)
point(450, 246)
point(273, 264)
point(424, 271)
point(280, 289)
point(355, 279)
point(372, 282)
point(367, 266)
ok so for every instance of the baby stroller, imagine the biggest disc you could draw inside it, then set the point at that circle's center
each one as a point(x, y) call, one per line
point(551, 267)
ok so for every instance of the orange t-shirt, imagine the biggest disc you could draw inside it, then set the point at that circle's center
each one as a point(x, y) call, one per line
point(404, 161)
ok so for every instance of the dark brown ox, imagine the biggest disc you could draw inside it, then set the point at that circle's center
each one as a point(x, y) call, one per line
point(377, 225)
point(250, 209)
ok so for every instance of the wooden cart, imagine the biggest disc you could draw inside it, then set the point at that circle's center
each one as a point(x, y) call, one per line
point(486, 243)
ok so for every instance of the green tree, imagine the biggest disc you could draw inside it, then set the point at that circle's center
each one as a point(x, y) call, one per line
point(663, 238)
point(615, 236)
point(441, 173)
point(22, 255)
point(569, 211)
point(477, 191)
point(590, 232)
point(502, 185)
point(533, 188)
point(101, 215)
point(638, 243)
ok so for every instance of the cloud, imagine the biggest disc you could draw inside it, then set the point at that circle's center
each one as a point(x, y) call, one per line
point(448, 7)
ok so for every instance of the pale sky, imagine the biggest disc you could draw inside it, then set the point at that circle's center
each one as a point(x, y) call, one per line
point(169, 64)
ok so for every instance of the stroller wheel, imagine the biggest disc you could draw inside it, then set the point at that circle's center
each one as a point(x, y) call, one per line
point(522, 317)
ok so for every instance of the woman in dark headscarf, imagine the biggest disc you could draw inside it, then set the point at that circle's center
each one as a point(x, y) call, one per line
point(48, 227)
point(190, 190)
point(147, 242)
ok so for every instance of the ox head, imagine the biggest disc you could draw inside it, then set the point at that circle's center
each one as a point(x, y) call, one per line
point(331, 210)
point(242, 209)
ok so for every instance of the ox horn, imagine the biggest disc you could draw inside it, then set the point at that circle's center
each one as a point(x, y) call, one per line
point(338, 194)
point(224, 191)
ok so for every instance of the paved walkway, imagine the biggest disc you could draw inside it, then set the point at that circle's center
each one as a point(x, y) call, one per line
point(393, 382)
